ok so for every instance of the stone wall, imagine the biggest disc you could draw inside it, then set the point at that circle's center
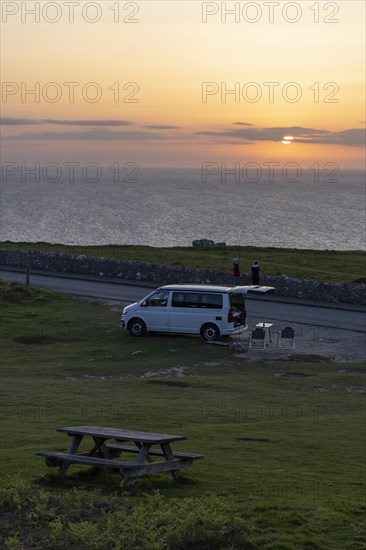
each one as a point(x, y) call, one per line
point(162, 274)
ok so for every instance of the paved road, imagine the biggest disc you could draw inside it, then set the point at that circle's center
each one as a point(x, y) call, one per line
point(284, 311)
point(96, 289)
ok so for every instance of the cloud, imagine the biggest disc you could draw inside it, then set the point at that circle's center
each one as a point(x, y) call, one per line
point(88, 122)
point(245, 133)
point(161, 127)
point(93, 135)
point(353, 137)
point(6, 121)
point(27, 121)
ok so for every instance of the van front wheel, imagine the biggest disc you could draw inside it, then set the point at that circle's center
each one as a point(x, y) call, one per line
point(136, 327)
point(210, 332)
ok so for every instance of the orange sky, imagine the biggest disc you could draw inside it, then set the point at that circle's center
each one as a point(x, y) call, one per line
point(169, 52)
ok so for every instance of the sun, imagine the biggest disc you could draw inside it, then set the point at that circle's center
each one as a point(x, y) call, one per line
point(287, 140)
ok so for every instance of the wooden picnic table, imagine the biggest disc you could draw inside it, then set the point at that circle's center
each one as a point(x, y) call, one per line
point(107, 449)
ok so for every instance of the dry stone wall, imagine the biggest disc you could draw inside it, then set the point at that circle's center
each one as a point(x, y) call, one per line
point(163, 274)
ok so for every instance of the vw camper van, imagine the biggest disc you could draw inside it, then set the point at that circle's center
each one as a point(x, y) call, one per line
point(209, 310)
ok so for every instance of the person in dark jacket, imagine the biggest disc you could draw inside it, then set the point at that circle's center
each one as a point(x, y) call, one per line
point(255, 273)
point(236, 272)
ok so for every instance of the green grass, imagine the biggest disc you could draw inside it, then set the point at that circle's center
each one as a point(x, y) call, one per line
point(67, 362)
point(322, 265)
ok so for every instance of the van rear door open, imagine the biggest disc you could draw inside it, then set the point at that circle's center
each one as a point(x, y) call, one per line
point(253, 289)
point(237, 314)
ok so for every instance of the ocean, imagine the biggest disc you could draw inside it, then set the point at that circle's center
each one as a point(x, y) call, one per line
point(173, 207)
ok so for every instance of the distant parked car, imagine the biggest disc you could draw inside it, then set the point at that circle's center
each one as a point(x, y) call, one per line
point(209, 310)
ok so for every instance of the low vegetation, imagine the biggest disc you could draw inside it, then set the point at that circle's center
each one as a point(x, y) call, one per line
point(323, 265)
point(87, 519)
point(282, 467)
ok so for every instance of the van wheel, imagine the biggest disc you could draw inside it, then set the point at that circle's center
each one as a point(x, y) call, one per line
point(136, 327)
point(210, 332)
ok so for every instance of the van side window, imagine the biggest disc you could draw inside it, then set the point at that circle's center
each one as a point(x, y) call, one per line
point(212, 301)
point(197, 300)
point(159, 299)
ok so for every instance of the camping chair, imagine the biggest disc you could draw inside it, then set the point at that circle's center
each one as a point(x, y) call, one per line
point(257, 339)
point(286, 338)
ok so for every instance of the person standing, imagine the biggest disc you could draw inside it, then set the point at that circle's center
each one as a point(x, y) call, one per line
point(236, 272)
point(255, 273)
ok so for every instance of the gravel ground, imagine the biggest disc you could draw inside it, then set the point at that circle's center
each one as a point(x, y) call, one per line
point(336, 344)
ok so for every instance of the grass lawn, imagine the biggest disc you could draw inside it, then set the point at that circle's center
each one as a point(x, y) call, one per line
point(283, 455)
point(323, 265)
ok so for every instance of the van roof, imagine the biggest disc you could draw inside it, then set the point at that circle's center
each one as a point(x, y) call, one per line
point(255, 289)
point(205, 288)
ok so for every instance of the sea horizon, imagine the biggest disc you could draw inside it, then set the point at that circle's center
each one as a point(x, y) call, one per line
point(165, 207)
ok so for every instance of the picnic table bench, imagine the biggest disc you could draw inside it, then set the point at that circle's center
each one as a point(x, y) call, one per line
point(106, 454)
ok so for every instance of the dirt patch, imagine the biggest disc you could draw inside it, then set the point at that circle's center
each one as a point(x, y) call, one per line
point(169, 383)
point(87, 378)
point(323, 389)
point(313, 344)
point(179, 372)
point(356, 389)
point(212, 363)
point(351, 371)
point(253, 440)
point(290, 374)
point(307, 358)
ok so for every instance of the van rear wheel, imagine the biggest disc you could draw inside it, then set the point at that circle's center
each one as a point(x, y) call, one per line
point(210, 332)
point(136, 327)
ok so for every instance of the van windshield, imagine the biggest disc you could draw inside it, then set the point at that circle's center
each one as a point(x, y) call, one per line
point(158, 299)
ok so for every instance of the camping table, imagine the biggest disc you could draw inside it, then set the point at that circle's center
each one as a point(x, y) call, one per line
point(268, 329)
point(145, 446)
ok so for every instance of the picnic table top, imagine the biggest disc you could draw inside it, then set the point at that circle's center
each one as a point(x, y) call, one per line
point(120, 434)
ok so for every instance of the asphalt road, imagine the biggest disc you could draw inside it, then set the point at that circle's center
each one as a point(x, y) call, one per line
point(96, 289)
point(267, 308)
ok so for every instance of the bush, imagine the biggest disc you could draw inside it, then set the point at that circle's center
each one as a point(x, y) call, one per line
point(33, 519)
point(15, 293)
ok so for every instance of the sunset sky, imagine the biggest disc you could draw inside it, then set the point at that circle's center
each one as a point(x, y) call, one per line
point(169, 53)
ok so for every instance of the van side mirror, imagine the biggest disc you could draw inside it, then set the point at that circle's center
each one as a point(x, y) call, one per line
point(144, 303)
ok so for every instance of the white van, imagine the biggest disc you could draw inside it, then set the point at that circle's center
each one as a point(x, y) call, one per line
point(211, 311)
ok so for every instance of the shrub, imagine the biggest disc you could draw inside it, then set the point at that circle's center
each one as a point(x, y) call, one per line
point(31, 518)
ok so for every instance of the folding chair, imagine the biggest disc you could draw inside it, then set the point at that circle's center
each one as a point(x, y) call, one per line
point(257, 339)
point(286, 338)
